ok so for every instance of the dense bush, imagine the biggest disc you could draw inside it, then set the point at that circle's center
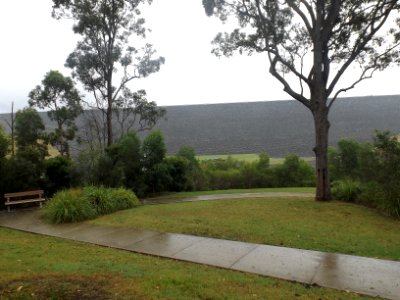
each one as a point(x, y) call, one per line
point(294, 172)
point(234, 174)
point(376, 167)
point(57, 174)
point(79, 205)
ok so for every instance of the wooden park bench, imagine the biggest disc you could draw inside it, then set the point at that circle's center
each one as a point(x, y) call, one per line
point(21, 198)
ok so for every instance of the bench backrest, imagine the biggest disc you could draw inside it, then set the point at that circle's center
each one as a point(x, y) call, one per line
point(24, 194)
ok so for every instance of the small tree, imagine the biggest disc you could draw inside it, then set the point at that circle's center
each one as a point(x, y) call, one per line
point(310, 44)
point(107, 28)
point(153, 155)
point(29, 129)
point(58, 93)
point(26, 168)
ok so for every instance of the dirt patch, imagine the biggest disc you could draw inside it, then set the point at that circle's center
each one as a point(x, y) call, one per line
point(52, 286)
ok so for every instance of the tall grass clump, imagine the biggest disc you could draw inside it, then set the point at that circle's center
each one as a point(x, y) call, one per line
point(88, 203)
point(68, 206)
point(100, 199)
point(346, 190)
point(123, 198)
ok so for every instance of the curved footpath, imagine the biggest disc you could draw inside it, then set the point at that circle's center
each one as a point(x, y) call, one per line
point(374, 277)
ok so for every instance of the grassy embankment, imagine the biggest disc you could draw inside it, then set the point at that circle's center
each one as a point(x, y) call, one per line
point(292, 222)
point(38, 267)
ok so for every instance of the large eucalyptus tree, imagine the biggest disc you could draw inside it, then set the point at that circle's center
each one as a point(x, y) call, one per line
point(108, 29)
point(310, 44)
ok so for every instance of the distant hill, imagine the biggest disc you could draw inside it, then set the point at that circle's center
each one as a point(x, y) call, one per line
point(277, 127)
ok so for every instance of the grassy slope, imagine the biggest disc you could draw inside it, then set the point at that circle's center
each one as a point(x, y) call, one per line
point(38, 267)
point(298, 223)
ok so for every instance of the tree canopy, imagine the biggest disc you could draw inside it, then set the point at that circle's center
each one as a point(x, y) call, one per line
point(58, 93)
point(310, 44)
point(108, 28)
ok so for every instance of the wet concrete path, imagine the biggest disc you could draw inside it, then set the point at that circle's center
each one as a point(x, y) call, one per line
point(166, 200)
point(375, 277)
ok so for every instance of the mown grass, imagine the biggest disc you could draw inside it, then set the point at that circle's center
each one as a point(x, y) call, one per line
point(38, 267)
point(246, 157)
point(292, 222)
point(240, 191)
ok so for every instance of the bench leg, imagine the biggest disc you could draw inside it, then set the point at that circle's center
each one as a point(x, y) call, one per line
point(8, 208)
point(40, 204)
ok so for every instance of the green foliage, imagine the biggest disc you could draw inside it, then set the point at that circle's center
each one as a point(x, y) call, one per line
point(69, 206)
point(108, 172)
point(57, 174)
point(294, 172)
point(100, 199)
point(95, 60)
point(194, 175)
point(179, 173)
point(346, 190)
point(123, 198)
point(153, 149)
point(376, 167)
point(58, 93)
point(128, 155)
point(153, 156)
point(4, 143)
point(29, 128)
point(79, 205)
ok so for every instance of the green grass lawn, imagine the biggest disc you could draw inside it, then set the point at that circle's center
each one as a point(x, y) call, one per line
point(246, 157)
point(292, 222)
point(39, 267)
point(240, 191)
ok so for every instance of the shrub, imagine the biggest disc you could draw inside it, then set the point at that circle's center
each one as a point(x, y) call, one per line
point(108, 200)
point(123, 198)
point(68, 206)
point(78, 205)
point(346, 190)
point(294, 172)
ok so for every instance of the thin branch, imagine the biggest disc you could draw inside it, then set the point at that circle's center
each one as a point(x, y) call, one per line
point(363, 77)
point(287, 88)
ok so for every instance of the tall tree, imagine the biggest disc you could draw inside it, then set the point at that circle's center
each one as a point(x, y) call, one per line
point(310, 44)
point(11, 126)
point(107, 28)
point(58, 93)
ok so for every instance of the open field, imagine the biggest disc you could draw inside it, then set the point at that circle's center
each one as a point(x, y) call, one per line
point(38, 267)
point(247, 157)
point(299, 223)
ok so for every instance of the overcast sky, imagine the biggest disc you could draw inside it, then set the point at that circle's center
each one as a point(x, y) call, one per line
point(34, 43)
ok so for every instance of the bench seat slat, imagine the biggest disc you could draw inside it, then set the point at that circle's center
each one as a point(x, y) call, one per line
point(24, 194)
point(24, 201)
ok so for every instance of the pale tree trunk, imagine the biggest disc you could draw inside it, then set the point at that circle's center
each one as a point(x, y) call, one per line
point(321, 154)
point(109, 110)
point(109, 124)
